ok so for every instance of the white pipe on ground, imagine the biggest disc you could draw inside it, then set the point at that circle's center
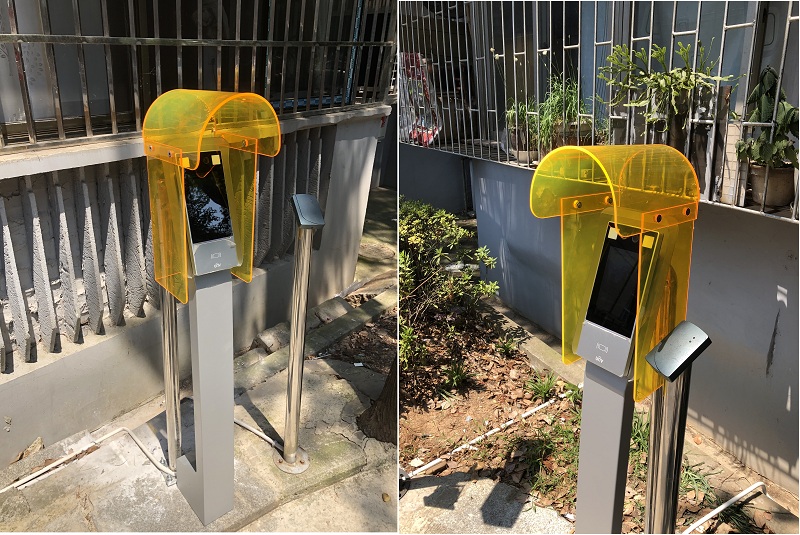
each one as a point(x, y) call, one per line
point(481, 437)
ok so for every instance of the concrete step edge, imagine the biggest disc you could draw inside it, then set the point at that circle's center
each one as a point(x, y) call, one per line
point(265, 365)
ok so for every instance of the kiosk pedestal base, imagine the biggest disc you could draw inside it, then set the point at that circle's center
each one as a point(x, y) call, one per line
point(299, 466)
point(604, 449)
point(207, 484)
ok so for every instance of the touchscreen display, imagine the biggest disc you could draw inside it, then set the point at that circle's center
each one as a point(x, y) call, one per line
point(613, 301)
point(207, 200)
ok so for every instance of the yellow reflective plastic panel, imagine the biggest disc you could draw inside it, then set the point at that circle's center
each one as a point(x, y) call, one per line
point(180, 125)
point(189, 121)
point(167, 209)
point(641, 189)
point(242, 199)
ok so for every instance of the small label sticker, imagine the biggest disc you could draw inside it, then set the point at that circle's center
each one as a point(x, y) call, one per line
point(612, 233)
point(647, 241)
point(215, 159)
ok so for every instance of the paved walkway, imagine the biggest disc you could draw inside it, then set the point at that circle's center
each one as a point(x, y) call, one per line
point(457, 504)
point(351, 484)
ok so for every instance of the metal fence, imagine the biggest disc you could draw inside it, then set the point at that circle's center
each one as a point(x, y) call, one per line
point(79, 69)
point(509, 81)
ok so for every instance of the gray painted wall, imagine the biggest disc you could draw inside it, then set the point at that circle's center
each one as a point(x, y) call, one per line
point(84, 385)
point(334, 264)
point(743, 292)
point(528, 250)
point(436, 179)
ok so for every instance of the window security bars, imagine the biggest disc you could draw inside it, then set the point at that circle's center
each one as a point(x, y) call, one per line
point(80, 69)
point(509, 81)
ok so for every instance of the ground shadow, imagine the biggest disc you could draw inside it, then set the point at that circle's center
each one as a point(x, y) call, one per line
point(499, 508)
point(244, 401)
point(158, 424)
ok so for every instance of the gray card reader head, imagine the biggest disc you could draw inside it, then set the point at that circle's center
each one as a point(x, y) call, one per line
point(678, 350)
point(307, 211)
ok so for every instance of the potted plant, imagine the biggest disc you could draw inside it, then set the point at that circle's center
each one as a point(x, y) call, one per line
point(522, 124)
point(663, 94)
point(558, 115)
point(778, 154)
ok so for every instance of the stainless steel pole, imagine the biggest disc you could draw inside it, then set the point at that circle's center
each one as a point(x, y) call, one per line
point(172, 393)
point(667, 432)
point(294, 459)
point(302, 259)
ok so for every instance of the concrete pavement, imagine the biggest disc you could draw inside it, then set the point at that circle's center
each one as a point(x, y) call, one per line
point(457, 504)
point(114, 487)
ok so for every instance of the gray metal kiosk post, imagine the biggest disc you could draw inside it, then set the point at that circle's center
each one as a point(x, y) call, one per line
point(604, 447)
point(606, 342)
point(293, 459)
point(206, 480)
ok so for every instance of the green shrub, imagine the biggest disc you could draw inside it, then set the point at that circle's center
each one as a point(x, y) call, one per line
point(412, 350)
point(428, 240)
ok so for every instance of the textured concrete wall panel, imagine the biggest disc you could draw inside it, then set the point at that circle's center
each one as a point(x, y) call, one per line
point(93, 250)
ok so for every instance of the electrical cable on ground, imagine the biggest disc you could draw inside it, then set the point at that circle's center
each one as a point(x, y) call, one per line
point(150, 457)
point(259, 434)
point(73, 455)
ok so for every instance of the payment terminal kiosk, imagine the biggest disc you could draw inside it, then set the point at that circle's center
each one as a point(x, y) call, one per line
point(202, 149)
point(627, 218)
point(607, 332)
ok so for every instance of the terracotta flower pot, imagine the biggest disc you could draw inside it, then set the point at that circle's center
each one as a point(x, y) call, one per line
point(781, 185)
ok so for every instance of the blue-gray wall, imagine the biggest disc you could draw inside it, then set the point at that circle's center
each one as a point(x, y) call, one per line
point(438, 181)
point(528, 250)
point(743, 293)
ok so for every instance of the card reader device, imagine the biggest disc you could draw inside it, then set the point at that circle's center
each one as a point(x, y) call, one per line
point(608, 328)
point(210, 229)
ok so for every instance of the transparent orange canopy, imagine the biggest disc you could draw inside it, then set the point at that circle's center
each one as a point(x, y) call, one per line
point(192, 120)
point(640, 188)
point(181, 124)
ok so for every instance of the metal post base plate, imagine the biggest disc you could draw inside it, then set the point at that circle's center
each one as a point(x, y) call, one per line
point(299, 466)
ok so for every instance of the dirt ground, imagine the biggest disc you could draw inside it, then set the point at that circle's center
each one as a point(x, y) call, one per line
point(375, 345)
point(537, 455)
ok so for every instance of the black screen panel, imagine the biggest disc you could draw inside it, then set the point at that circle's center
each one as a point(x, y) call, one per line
point(613, 301)
point(207, 200)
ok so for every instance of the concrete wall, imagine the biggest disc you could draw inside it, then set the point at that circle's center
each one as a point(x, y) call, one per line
point(386, 155)
point(528, 250)
point(334, 264)
point(62, 223)
point(743, 292)
point(432, 176)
